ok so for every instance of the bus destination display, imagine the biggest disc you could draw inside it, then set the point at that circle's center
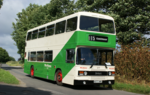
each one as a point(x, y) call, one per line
point(98, 38)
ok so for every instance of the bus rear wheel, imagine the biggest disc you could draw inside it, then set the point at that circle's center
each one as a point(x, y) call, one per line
point(59, 77)
point(32, 72)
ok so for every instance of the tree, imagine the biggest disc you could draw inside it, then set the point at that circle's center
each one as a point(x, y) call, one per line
point(11, 58)
point(30, 17)
point(4, 57)
point(35, 15)
point(131, 16)
point(94, 5)
point(1, 3)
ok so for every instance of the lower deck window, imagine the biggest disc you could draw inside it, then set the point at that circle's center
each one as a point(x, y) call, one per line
point(40, 56)
point(29, 56)
point(70, 56)
point(33, 56)
point(48, 56)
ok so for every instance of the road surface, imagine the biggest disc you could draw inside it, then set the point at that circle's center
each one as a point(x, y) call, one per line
point(51, 88)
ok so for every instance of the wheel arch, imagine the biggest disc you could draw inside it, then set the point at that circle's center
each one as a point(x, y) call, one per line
point(31, 66)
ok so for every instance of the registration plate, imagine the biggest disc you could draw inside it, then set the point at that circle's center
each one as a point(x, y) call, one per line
point(97, 81)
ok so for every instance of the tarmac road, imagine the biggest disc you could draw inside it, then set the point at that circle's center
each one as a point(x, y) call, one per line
point(38, 86)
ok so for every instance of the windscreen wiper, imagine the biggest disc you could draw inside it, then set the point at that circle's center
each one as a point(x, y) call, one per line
point(92, 65)
point(105, 65)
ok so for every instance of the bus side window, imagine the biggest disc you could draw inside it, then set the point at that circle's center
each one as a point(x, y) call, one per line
point(34, 34)
point(70, 56)
point(28, 56)
point(60, 27)
point(29, 36)
point(41, 33)
point(33, 56)
point(48, 57)
point(50, 30)
point(40, 56)
point(71, 24)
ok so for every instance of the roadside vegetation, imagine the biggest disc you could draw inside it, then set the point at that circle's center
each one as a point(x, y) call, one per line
point(132, 68)
point(130, 87)
point(15, 63)
point(6, 77)
point(4, 56)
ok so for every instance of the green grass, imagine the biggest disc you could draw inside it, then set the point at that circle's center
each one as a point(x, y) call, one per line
point(15, 63)
point(132, 88)
point(6, 77)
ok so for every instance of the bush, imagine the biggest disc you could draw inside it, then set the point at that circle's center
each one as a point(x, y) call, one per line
point(133, 62)
point(11, 58)
point(4, 57)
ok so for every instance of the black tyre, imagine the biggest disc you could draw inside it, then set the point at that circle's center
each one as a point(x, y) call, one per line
point(110, 86)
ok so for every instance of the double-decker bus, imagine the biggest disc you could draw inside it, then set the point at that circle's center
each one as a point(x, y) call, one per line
point(77, 49)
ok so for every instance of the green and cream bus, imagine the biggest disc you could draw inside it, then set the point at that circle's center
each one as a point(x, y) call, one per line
point(77, 49)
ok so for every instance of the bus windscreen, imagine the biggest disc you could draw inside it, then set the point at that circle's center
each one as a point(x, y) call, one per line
point(89, 56)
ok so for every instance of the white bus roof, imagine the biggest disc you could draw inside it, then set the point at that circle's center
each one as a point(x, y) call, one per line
point(70, 16)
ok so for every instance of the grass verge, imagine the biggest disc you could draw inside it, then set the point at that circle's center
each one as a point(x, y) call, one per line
point(15, 63)
point(6, 77)
point(132, 88)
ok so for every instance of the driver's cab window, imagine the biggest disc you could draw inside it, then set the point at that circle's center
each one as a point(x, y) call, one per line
point(70, 55)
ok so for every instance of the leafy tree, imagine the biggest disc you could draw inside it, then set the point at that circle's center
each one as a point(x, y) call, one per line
point(30, 17)
point(1, 3)
point(131, 16)
point(11, 58)
point(35, 15)
point(4, 57)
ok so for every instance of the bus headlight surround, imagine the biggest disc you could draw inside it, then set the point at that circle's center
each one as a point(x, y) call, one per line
point(109, 73)
point(82, 73)
point(85, 73)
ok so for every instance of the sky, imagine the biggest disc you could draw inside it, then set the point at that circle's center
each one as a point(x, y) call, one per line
point(8, 13)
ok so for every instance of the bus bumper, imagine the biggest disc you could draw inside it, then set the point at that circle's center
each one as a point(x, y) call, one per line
point(91, 82)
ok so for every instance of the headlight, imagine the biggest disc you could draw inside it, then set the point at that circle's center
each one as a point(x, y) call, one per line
point(85, 73)
point(111, 73)
point(82, 73)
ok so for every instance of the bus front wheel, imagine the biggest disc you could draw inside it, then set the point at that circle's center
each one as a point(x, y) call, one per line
point(59, 77)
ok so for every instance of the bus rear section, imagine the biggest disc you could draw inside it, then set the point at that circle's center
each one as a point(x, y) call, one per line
point(94, 66)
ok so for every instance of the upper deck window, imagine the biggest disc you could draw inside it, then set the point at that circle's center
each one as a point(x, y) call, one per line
point(96, 24)
point(34, 34)
point(60, 27)
point(41, 33)
point(50, 30)
point(29, 36)
point(71, 24)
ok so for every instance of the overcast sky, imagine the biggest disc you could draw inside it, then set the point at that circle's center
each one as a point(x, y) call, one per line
point(7, 15)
